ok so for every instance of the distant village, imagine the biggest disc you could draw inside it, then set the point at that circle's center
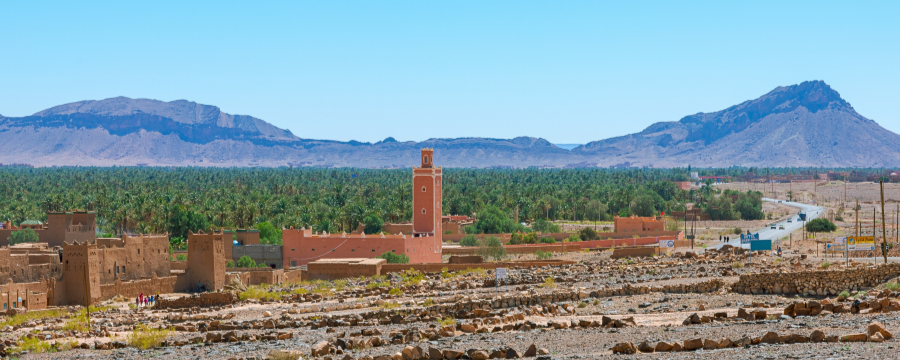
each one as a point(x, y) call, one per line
point(70, 265)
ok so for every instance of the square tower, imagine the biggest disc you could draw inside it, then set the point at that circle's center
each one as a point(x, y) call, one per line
point(427, 197)
point(81, 275)
point(206, 261)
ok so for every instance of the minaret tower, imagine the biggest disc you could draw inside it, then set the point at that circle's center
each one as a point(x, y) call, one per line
point(427, 197)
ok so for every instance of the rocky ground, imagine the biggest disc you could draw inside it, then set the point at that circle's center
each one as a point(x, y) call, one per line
point(659, 307)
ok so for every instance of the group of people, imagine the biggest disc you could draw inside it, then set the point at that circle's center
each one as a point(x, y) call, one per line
point(145, 301)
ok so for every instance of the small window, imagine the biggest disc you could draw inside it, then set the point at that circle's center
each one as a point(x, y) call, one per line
point(352, 250)
point(393, 250)
point(292, 249)
point(313, 249)
point(423, 189)
point(423, 210)
point(426, 159)
point(373, 250)
point(139, 251)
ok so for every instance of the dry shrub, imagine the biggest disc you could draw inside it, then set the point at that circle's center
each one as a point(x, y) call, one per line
point(145, 337)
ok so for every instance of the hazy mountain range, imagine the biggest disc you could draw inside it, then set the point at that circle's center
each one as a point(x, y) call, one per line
point(801, 125)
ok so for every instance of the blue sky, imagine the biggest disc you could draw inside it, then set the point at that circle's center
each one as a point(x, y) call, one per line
point(569, 72)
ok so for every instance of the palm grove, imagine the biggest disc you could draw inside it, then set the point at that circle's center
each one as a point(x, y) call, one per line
point(178, 200)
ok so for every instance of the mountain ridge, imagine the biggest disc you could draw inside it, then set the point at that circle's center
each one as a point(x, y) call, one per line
point(807, 124)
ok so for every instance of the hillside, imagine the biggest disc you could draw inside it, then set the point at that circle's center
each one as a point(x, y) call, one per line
point(801, 125)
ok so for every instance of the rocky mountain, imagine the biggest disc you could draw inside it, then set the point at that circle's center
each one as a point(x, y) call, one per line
point(801, 125)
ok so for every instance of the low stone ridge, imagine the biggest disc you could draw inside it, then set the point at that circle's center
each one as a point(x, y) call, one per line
point(199, 300)
point(816, 283)
point(876, 332)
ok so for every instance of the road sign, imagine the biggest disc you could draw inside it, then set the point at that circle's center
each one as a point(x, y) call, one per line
point(667, 243)
point(760, 245)
point(501, 273)
point(840, 240)
point(835, 247)
point(861, 243)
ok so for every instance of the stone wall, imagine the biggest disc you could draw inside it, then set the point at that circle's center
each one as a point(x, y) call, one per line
point(333, 269)
point(633, 252)
point(561, 236)
point(470, 259)
point(438, 267)
point(565, 247)
point(821, 282)
point(296, 275)
point(199, 300)
point(132, 289)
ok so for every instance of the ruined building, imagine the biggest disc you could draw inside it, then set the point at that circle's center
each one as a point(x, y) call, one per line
point(60, 228)
point(34, 277)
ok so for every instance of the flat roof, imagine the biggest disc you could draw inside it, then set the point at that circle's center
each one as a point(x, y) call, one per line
point(363, 261)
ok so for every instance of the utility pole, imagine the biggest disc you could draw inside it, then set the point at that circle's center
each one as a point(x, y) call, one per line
point(883, 232)
point(856, 209)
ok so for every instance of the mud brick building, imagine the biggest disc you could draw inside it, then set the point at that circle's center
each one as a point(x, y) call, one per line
point(35, 276)
point(60, 228)
point(638, 224)
point(422, 244)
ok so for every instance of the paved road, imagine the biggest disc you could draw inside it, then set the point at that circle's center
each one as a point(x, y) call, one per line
point(768, 233)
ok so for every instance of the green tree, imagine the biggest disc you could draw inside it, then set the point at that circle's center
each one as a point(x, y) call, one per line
point(373, 224)
point(393, 258)
point(531, 238)
point(230, 264)
point(750, 207)
point(246, 262)
point(548, 240)
point(493, 221)
point(181, 222)
point(23, 236)
point(269, 234)
point(491, 247)
point(720, 208)
point(820, 225)
point(587, 234)
point(545, 226)
point(596, 211)
point(468, 240)
point(516, 238)
point(643, 205)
